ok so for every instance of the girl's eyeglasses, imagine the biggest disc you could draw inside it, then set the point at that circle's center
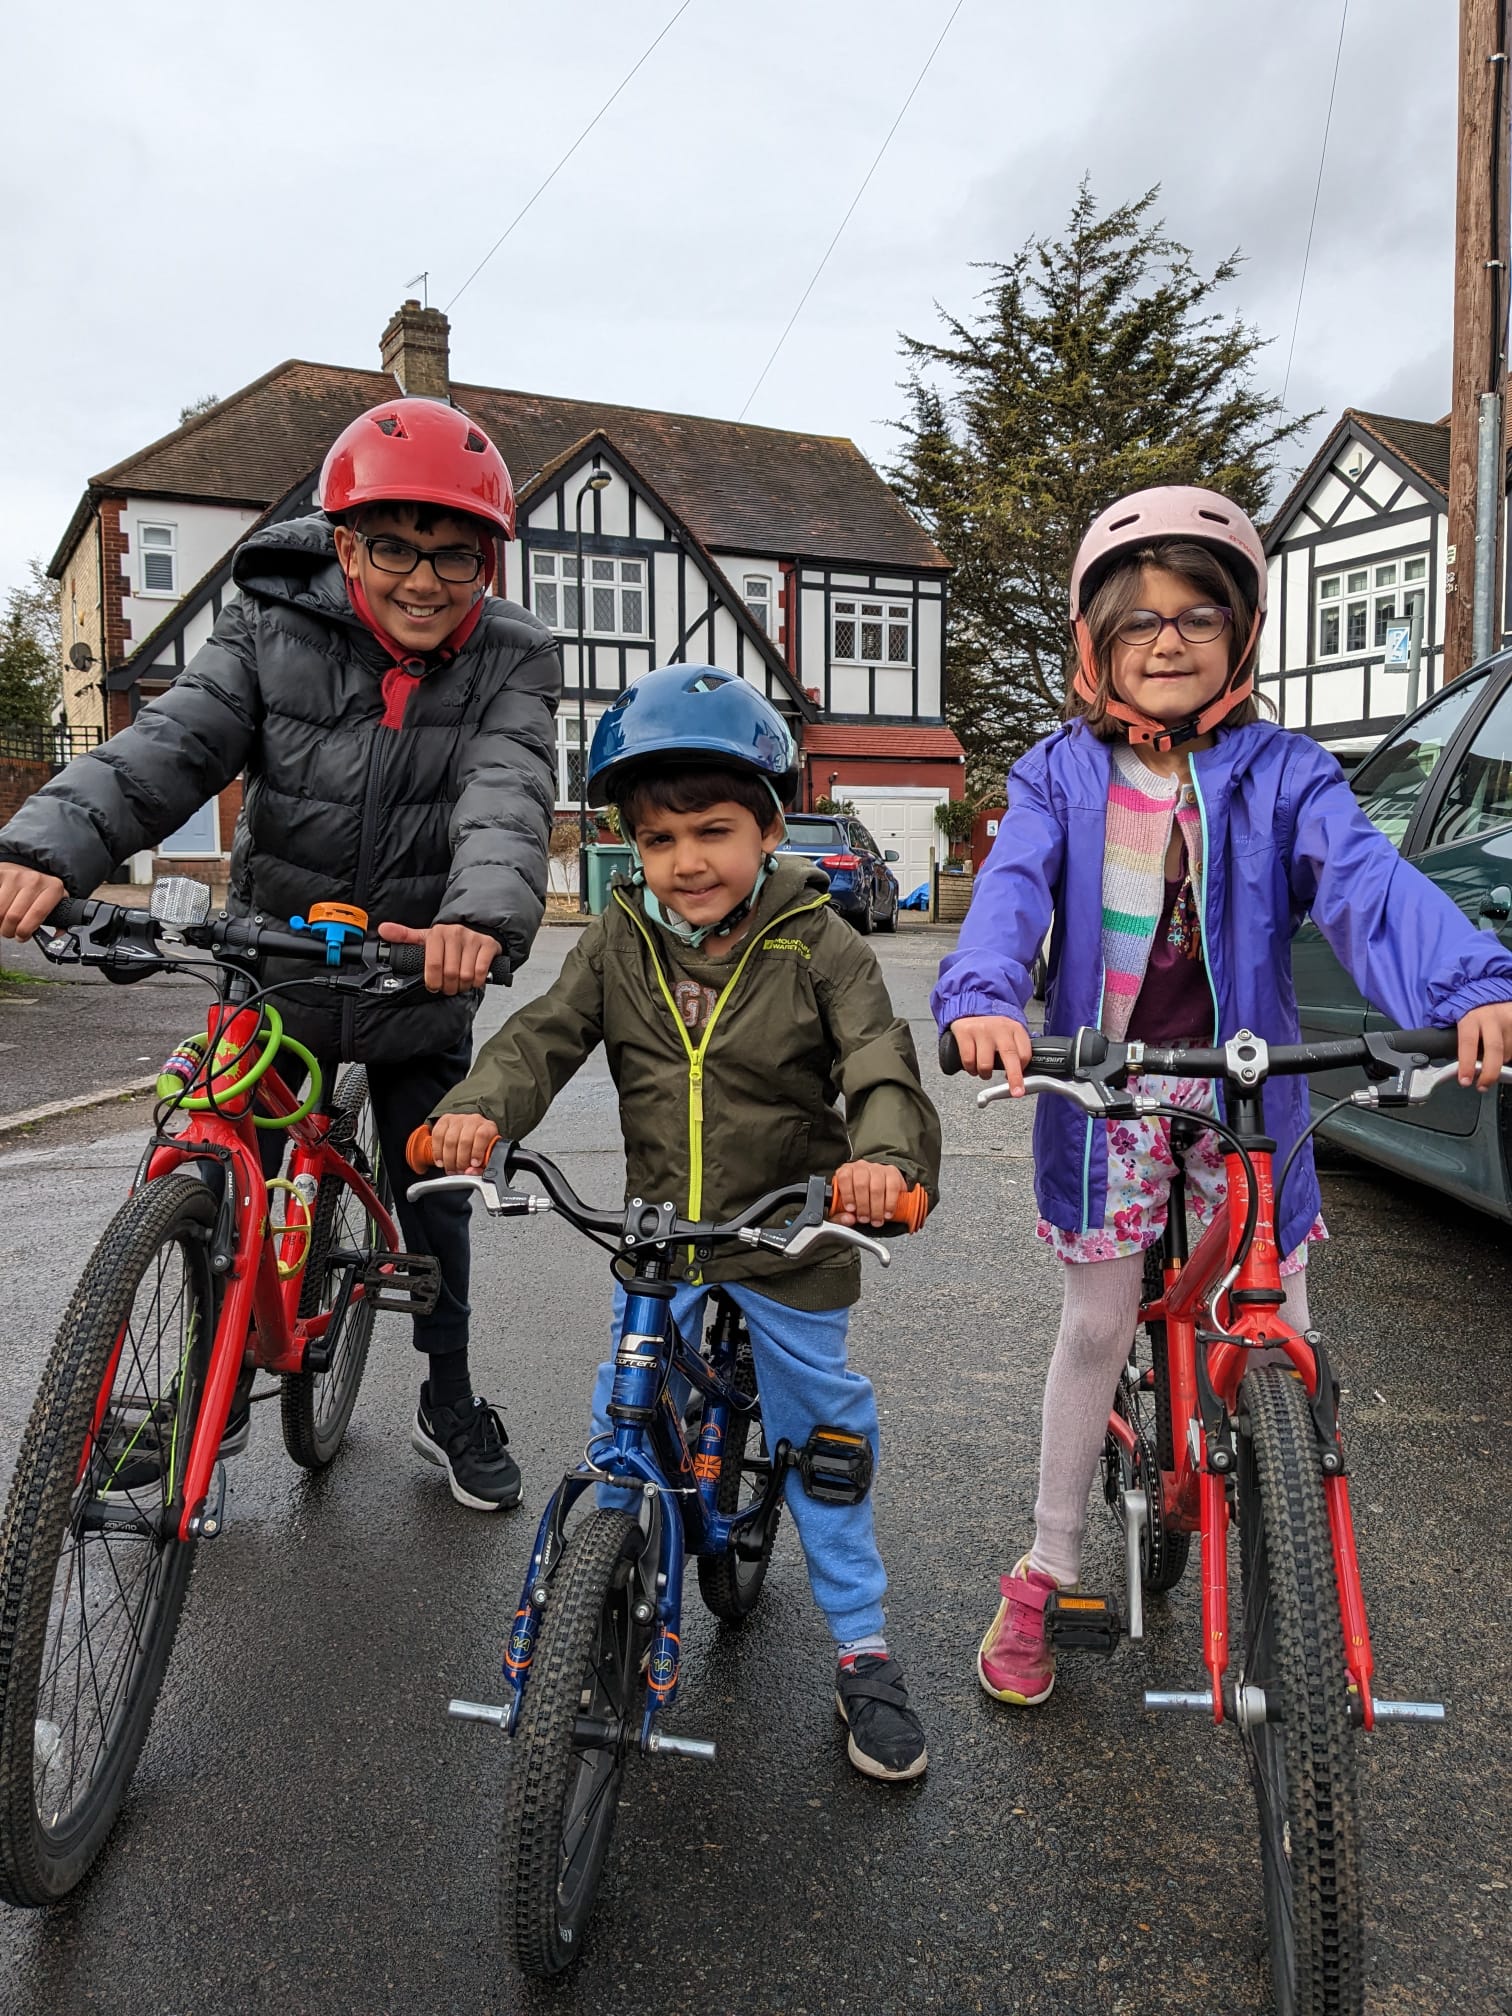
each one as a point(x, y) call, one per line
point(398, 556)
point(1203, 624)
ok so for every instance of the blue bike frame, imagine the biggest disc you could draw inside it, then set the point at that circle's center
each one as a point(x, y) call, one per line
point(646, 1452)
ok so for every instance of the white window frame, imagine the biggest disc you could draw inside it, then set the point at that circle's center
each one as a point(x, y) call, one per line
point(170, 551)
point(863, 610)
point(566, 745)
point(756, 589)
point(1382, 592)
point(550, 568)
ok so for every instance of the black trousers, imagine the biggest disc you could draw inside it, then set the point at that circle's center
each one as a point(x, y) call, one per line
point(403, 1095)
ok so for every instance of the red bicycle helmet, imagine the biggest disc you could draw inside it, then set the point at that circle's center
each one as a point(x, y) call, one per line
point(1171, 511)
point(420, 451)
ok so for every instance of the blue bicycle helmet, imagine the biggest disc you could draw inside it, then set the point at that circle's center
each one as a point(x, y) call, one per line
point(685, 713)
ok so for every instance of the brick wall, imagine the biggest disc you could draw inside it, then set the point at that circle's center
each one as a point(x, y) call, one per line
point(17, 783)
point(117, 583)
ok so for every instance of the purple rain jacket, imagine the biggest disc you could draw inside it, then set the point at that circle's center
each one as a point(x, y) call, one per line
point(1282, 839)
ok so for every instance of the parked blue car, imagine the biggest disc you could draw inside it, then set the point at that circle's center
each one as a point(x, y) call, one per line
point(862, 885)
point(1440, 786)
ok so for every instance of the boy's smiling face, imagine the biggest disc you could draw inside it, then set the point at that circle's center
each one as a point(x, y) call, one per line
point(704, 864)
point(419, 610)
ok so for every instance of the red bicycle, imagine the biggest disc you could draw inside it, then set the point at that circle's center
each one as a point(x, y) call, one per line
point(1234, 1415)
point(206, 1273)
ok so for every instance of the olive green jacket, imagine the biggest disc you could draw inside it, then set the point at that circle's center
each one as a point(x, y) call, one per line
point(802, 1021)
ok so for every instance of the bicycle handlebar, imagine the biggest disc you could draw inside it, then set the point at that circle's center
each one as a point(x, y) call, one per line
point(1089, 1051)
point(909, 1213)
point(108, 934)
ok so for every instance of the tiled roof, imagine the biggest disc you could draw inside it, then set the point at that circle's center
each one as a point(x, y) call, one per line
point(751, 488)
point(1422, 444)
point(843, 738)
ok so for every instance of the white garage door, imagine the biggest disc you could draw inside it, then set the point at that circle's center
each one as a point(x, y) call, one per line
point(903, 820)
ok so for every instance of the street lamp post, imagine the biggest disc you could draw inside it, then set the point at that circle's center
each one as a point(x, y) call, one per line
point(599, 480)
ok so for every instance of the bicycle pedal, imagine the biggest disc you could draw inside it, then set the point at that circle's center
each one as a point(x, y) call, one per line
point(407, 1282)
point(1082, 1623)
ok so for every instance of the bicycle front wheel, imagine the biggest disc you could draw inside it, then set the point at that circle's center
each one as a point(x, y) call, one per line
point(92, 1574)
point(578, 1722)
point(1301, 1756)
point(316, 1407)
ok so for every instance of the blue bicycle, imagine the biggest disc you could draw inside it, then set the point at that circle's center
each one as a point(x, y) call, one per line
point(593, 1656)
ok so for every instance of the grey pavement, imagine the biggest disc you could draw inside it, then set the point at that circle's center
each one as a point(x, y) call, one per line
point(308, 1831)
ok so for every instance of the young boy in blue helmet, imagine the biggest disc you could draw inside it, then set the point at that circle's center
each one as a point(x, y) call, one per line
point(726, 959)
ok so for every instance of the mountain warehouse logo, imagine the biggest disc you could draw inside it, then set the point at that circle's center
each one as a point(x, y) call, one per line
point(786, 945)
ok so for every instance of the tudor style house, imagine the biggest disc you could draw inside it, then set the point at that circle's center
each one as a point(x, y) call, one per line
point(1362, 537)
point(782, 557)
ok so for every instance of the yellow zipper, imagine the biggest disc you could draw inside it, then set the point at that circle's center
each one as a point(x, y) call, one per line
point(696, 1052)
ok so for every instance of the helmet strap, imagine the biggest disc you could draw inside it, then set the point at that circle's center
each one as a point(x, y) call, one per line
point(1144, 729)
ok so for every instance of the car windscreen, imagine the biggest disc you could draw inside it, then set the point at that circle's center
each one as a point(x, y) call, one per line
point(812, 833)
point(1389, 783)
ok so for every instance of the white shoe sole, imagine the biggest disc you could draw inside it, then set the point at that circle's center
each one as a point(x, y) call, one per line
point(869, 1767)
point(422, 1445)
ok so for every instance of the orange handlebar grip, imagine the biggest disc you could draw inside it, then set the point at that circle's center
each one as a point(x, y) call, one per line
point(911, 1209)
point(420, 1153)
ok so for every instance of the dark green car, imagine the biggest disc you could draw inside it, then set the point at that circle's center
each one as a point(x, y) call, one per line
point(1440, 786)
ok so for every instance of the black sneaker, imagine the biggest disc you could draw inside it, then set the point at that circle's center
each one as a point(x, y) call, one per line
point(470, 1445)
point(886, 1737)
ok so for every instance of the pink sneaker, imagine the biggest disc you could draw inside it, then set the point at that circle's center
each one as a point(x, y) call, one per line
point(1014, 1662)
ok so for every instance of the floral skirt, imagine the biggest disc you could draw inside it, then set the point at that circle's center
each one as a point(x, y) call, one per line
point(1141, 1163)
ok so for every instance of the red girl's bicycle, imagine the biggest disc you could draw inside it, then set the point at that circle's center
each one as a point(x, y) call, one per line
point(207, 1272)
point(1231, 1415)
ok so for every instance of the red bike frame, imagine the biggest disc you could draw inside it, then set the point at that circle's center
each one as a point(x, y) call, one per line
point(1194, 1496)
point(260, 1310)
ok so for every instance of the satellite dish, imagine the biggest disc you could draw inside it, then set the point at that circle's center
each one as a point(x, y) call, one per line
point(80, 656)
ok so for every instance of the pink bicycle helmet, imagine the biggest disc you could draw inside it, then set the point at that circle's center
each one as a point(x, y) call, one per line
point(1172, 511)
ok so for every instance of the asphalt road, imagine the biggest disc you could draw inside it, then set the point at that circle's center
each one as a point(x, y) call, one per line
point(307, 1831)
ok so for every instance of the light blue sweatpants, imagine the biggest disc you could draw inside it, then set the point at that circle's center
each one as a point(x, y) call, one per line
point(804, 1384)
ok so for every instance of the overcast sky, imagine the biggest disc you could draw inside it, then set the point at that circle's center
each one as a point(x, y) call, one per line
point(191, 193)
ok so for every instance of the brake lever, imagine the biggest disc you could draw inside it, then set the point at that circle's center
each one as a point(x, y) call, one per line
point(1414, 1086)
point(1104, 1102)
point(799, 1242)
point(497, 1203)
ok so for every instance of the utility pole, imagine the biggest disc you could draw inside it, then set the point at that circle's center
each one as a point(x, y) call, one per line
point(1474, 595)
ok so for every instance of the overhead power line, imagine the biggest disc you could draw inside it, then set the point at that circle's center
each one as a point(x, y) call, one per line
point(847, 217)
point(1322, 157)
point(686, 4)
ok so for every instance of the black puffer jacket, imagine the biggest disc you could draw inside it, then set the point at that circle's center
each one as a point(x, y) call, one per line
point(442, 821)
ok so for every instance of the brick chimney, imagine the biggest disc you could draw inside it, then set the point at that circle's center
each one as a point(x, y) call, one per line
point(416, 348)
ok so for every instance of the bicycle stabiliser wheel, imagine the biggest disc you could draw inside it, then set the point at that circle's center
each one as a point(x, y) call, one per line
point(316, 1407)
point(1301, 1757)
point(579, 1720)
point(92, 1574)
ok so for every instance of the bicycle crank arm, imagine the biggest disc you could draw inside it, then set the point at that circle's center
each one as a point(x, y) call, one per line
point(1136, 1510)
point(660, 1744)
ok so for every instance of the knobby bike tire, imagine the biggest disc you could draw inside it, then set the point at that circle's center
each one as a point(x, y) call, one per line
point(46, 1548)
point(315, 1408)
point(563, 1793)
point(731, 1587)
point(1301, 1757)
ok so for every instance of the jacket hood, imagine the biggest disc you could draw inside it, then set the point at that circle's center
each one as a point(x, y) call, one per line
point(295, 563)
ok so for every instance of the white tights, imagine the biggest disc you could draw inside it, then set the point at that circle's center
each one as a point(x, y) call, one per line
point(1097, 1325)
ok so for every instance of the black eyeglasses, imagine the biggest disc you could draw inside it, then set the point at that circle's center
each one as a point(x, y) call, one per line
point(1203, 624)
point(398, 556)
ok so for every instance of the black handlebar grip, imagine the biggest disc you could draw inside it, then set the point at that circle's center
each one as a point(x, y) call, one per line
point(1441, 1043)
point(409, 960)
point(950, 1055)
point(72, 910)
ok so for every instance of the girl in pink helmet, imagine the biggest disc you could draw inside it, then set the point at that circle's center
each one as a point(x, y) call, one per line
point(1177, 838)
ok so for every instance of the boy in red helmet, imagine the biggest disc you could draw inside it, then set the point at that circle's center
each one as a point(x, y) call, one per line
point(393, 722)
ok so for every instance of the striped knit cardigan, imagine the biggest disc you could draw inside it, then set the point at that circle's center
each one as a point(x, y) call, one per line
point(1141, 805)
